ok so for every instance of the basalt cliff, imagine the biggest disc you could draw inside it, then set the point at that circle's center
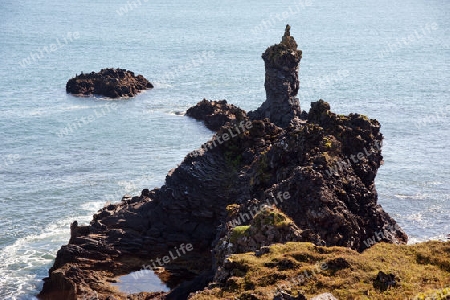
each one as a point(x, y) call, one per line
point(269, 177)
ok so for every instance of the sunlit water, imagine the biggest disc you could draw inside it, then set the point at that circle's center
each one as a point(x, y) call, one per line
point(380, 58)
point(140, 281)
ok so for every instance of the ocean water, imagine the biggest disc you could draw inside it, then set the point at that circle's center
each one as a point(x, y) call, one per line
point(385, 59)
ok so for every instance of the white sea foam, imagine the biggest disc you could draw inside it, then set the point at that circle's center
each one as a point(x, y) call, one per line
point(92, 207)
point(440, 237)
point(417, 217)
point(162, 85)
point(418, 196)
point(25, 263)
point(73, 107)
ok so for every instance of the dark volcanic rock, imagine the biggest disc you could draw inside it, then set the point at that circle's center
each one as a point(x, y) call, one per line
point(216, 114)
point(285, 296)
point(319, 173)
point(384, 281)
point(113, 83)
point(281, 83)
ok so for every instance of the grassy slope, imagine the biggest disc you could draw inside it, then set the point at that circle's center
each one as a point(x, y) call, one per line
point(420, 268)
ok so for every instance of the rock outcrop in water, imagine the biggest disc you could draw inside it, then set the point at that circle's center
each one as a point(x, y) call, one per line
point(113, 83)
point(318, 173)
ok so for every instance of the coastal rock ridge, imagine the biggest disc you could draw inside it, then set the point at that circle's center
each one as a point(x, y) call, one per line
point(270, 176)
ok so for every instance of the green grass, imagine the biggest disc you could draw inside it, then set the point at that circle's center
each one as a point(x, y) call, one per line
point(423, 271)
point(238, 232)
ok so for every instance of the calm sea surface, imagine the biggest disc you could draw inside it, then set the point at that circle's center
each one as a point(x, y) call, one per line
point(386, 59)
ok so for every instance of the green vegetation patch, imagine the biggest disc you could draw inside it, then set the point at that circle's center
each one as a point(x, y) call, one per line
point(421, 270)
point(238, 232)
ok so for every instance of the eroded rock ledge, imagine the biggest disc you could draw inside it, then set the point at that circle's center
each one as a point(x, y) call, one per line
point(113, 83)
point(317, 172)
point(216, 114)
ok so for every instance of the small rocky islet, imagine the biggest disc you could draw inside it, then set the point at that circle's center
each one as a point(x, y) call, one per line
point(112, 83)
point(263, 210)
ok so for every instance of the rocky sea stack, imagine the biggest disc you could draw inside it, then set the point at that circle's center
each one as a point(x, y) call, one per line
point(113, 83)
point(218, 226)
point(281, 83)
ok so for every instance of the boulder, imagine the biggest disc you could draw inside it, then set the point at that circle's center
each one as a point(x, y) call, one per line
point(384, 281)
point(216, 114)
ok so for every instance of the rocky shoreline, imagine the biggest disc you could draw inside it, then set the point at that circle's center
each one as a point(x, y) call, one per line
point(112, 83)
point(266, 177)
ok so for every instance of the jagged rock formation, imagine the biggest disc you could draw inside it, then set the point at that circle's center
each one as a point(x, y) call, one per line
point(113, 83)
point(323, 168)
point(330, 206)
point(281, 83)
point(216, 114)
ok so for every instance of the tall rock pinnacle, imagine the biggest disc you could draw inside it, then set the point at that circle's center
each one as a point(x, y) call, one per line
point(281, 83)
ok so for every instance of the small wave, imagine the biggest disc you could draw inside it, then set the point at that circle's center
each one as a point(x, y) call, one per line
point(412, 240)
point(418, 196)
point(417, 217)
point(25, 257)
point(93, 206)
point(440, 237)
point(162, 85)
point(177, 113)
point(74, 107)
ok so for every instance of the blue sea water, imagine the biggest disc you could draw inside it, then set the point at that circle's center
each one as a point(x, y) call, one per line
point(385, 59)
